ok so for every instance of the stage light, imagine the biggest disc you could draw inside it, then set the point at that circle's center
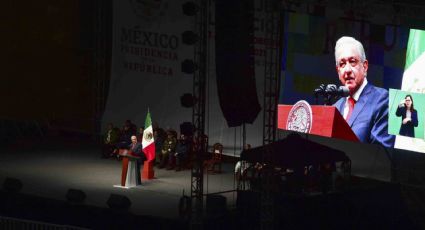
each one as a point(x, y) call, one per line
point(118, 202)
point(187, 100)
point(75, 196)
point(190, 8)
point(189, 67)
point(189, 37)
point(12, 185)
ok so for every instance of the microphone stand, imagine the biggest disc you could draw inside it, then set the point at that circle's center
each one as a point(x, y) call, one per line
point(327, 98)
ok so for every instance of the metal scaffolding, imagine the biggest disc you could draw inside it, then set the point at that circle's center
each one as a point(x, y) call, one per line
point(271, 99)
point(198, 114)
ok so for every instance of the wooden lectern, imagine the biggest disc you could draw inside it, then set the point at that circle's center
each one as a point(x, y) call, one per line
point(327, 122)
point(130, 174)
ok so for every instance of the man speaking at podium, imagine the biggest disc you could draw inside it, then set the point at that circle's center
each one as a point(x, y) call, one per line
point(366, 108)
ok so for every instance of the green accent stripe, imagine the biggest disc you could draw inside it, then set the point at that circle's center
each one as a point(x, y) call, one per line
point(148, 121)
point(415, 46)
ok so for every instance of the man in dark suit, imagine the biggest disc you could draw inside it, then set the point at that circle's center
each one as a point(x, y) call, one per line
point(135, 149)
point(366, 108)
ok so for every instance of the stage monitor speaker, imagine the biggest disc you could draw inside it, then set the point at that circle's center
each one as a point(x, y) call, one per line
point(75, 196)
point(118, 202)
point(12, 185)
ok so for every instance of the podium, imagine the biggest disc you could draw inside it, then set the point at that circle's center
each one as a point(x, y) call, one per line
point(130, 174)
point(327, 122)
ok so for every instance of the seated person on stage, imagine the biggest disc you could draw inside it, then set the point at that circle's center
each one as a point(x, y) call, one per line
point(159, 138)
point(132, 127)
point(366, 108)
point(180, 155)
point(169, 147)
point(110, 139)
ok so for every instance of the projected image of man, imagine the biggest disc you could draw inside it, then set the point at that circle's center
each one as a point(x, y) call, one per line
point(366, 107)
point(409, 116)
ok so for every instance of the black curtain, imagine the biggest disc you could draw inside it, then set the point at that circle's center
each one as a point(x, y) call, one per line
point(235, 61)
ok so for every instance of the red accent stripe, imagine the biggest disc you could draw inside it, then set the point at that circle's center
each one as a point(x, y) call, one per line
point(150, 151)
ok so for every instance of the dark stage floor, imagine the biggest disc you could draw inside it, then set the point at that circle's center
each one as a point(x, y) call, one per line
point(49, 169)
point(50, 172)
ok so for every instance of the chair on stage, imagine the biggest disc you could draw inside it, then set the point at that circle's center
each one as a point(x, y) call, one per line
point(216, 159)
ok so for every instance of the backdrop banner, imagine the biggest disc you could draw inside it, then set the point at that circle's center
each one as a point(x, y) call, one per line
point(147, 52)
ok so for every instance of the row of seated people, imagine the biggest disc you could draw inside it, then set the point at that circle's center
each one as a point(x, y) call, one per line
point(178, 153)
point(171, 152)
point(115, 138)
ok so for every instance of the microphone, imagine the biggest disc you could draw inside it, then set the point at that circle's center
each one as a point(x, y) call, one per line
point(333, 90)
point(343, 91)
point(320, 90)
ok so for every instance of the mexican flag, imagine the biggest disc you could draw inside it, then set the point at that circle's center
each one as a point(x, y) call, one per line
point(414, 70)
point(148, 141)
point(413, 82)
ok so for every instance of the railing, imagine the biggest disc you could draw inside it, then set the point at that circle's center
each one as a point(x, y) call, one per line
point(8, 223)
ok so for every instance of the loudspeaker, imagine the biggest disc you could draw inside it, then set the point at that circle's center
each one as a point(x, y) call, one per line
point(190, 8)
point(187, 100)
point(76, 196)
point(12, 185)
point(235, 66)
point(118, 202)
point(189, 37)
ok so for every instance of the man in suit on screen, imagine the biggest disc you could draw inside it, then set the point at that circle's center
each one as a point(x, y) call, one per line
point(366, 108)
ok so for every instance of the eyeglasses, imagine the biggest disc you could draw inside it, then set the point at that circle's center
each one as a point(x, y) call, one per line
point(352, 61)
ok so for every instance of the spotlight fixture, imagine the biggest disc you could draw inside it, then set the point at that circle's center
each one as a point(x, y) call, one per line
point(190, 8)
point(189, 67)
point(12, 185)
point(189, 37)
point(75, 196)
point(118, 202)
point(187, 100)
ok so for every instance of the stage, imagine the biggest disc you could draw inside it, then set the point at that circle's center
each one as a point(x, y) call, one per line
point(50, 171)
